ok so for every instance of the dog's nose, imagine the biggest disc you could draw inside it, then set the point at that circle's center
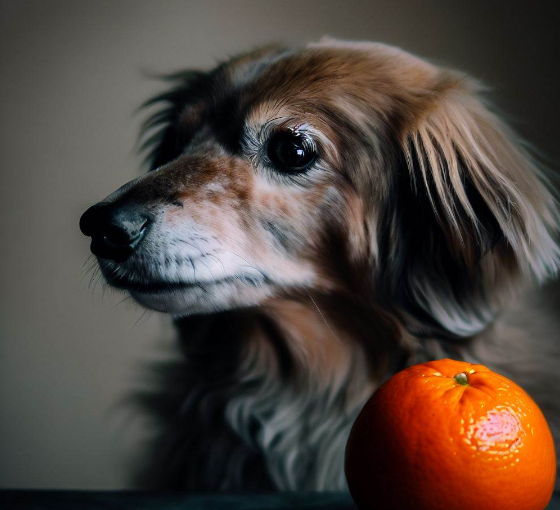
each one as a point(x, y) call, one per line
point(115, 231)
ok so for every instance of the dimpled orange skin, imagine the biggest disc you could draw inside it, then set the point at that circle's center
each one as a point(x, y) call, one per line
point(426, 442)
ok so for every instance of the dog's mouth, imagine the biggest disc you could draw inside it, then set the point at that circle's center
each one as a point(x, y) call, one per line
point(159, 286)
point(186, 298)
point(193, 292)
point(167, 287)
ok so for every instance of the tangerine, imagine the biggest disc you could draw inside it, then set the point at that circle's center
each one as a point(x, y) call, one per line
point(448, 435)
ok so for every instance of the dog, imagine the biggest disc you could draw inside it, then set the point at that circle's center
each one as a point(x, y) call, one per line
point(316, 219)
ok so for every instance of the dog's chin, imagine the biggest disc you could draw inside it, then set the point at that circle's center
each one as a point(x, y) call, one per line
point(196, 299)
point(190, 300)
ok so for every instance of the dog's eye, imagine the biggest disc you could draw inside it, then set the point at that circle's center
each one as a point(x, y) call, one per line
point(291, 151)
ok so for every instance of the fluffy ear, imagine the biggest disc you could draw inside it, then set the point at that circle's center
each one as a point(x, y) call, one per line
point(162, 137)
point(472, 214)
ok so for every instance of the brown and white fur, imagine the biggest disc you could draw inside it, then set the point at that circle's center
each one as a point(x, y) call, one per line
point(422, 230)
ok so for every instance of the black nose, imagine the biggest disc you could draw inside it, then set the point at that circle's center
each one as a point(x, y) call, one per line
point(115, 231)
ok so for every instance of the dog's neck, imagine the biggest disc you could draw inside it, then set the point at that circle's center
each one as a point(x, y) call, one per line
point(288, 380)
point(327, 337)
point(307, 365)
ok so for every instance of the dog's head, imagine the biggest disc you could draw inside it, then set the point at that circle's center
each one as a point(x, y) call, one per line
point(349, 168)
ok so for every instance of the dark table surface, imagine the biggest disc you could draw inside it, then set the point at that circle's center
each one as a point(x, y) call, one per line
point(132, 500)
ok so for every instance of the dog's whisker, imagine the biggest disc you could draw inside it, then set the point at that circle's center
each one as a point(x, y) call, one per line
point(200, 286)
point(224, 273)
point(202, 253)
point(94, 265)
point(94, 276)
point(323, 317)
point(126, 298)
point(146, 311)
point(252, 266)
point(90, 256)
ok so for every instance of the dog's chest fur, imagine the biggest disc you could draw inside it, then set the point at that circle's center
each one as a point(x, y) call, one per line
point(259, 402)
point(300, 423)
point(266, 401)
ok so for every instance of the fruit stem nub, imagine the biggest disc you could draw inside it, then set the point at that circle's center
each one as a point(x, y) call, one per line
point(462, 378)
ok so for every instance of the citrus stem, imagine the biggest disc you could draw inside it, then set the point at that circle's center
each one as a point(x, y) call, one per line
point(462, 379)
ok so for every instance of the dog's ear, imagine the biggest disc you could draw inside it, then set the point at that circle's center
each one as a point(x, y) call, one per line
point(471, 213)
point(162, 138)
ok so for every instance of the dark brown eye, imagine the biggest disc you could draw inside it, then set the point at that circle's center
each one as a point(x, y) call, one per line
point(291, 152)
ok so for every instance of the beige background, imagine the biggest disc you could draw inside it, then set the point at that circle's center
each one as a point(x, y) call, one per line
point(71, 76)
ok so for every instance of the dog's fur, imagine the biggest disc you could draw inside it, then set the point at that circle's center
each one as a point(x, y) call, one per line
point(423, 230)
